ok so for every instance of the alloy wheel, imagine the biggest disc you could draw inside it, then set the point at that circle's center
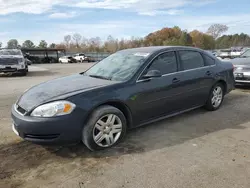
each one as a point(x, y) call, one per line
point(217, 96)
point(107, 130)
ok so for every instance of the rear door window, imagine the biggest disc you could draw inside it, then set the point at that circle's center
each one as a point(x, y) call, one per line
point(191, 60)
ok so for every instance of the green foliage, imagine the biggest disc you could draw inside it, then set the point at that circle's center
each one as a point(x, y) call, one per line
point(28, 44)
point(52, 45)
point(43, 44)
point(227, 41)
point(13, 43)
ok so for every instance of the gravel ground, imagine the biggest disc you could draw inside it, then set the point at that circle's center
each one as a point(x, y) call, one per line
point(194, 150)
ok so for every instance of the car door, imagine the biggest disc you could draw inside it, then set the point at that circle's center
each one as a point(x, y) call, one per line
point(157, 96)
point(196, 77)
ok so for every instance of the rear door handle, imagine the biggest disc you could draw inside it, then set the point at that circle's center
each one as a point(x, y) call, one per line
point(208, 73)
point(175, 80)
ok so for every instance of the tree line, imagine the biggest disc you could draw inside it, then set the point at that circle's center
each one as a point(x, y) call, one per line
point(212, 39)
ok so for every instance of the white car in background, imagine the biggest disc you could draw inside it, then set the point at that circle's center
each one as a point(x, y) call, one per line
point(80, 57)
point(13, 61)
point(67, 59)
point(225, 54)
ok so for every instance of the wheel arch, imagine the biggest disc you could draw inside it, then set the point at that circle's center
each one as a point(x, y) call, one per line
point(224, 84)
point(119, 105)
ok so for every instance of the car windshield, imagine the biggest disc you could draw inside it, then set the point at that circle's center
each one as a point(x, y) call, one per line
point(10, 52)
point(246, 53)
point(120, 66)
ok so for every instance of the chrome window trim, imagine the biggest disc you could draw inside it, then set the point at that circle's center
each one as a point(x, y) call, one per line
point(153, 60)
point(138, 81)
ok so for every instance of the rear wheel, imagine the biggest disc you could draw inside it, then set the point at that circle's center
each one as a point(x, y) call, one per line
point(215, 98)
point(105, 128)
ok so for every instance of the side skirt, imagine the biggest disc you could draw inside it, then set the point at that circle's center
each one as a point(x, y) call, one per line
point(167, 116)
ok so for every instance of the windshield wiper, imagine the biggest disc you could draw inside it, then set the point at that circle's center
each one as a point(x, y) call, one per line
point(98, 76)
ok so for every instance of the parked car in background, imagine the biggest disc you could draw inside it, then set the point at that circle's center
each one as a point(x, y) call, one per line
point(67, 59)
point(127, 89)
point(13, 61)
point(80, 57)
point(236, 52)
point(224, 54)
point(242, 68)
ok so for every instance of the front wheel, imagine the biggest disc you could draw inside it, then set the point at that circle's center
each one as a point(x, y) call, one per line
point(215, 98)
point(105, 128)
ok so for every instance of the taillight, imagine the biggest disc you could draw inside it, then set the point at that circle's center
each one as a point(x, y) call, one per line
point(234, 68)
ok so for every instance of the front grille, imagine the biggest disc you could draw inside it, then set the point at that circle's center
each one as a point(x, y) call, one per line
point(42, 137)
point(8, 61)
point(20, 110)
point(8, 70)
point(242, 78)
point(242, 68)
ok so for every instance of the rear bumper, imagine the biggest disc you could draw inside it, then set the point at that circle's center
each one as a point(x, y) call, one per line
point(56, 130)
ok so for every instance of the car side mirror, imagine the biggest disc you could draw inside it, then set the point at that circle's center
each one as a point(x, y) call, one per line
point(28, 61)
point(152, 74)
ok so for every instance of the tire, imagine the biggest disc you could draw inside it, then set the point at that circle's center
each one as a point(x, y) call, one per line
point(90, 129)
point(210, 104)
point(23, 73)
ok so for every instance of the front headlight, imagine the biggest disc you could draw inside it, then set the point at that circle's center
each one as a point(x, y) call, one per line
point(53, 109)
point(21, 61)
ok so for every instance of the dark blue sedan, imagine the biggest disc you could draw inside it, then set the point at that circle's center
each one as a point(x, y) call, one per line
point(128, 89)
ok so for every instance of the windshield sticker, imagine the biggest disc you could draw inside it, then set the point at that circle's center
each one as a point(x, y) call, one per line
point(141, 54)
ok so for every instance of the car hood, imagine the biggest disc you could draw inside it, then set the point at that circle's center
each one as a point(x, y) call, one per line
point(241, 61)
point(59, 89)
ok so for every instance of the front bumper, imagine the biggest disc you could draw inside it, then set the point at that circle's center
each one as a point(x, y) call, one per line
point(11, 68)
point(63, 129)
point(242, 82)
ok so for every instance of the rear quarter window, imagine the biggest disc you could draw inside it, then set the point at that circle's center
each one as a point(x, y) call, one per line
point(208, 60)
point(191, 59)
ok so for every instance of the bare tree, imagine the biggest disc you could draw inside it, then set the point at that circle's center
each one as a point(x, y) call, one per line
point(216, 30)
point(77, 39)
point(67, 40)
point(111, 45)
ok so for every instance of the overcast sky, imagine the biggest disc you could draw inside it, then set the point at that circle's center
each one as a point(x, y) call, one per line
point(52, 19)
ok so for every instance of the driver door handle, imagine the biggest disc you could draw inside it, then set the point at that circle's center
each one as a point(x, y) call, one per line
point(208, 73)
point(175, 80)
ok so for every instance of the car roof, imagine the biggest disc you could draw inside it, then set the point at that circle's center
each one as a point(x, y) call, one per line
point(153, 49)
